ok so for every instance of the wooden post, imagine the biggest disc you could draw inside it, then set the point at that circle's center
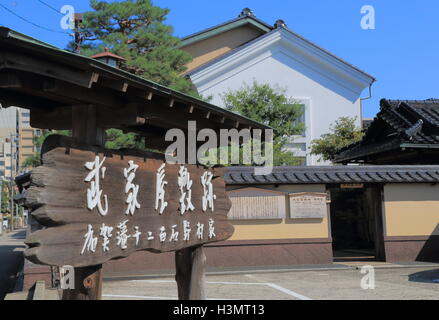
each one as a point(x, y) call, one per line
point(190, 273)
point(88, 284)
point(88, 280)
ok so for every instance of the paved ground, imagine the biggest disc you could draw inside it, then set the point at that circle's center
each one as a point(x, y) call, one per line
point(11, 259)
point(399, 283)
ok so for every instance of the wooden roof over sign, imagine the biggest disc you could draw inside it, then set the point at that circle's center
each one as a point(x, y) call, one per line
point(49, 81)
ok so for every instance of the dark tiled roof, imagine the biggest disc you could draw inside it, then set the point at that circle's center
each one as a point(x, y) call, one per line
point(417, 121)
point(334, 174)
point(399, 122)
point(366, 123)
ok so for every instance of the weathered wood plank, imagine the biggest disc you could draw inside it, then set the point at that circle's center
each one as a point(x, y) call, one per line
point(58, 197)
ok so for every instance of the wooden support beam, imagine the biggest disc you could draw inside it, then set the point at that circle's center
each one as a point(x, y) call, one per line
point(60, 92)
point(190, 266)
point(94, 79)
point(169, 118)
point(156, 143)
point(88, 284)
point(58, 119)
point(84, 125)
point(11, 98)
point(88, 280)
point(81, 95)
point(113, 84)
point(38, 65)
point(9, 80)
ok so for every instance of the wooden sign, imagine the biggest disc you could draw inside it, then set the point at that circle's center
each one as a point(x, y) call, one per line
point(308, 205)
point(257, 204)
point(100, 205)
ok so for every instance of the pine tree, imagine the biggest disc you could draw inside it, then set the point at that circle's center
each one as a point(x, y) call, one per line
point(135, 30)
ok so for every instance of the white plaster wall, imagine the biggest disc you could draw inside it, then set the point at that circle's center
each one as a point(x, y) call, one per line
point(326, 98)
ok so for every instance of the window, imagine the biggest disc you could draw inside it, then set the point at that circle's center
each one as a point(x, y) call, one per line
point(297, 146)
point(301, 118)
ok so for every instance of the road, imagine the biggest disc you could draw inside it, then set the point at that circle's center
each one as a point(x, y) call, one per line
point(11, 259)
point(401, 283)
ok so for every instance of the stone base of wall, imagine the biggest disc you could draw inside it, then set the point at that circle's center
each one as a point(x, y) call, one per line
point(231, 254)
point(223, 255)
point(409, 249)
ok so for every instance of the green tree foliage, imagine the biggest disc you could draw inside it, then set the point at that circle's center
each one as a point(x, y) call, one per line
point(4, 193)
point(135, 30)
point(116, 139)
point(342, 133)
point(35, 160)
point(270, 106)
point(32, 161)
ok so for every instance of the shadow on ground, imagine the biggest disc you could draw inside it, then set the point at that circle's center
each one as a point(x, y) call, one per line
point(10, 261)
point(428, 276)
point(18, 235)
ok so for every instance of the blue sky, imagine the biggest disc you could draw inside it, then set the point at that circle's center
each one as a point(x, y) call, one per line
point(402, 53)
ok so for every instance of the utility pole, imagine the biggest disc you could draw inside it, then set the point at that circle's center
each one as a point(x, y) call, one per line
point(79, 37)
point(13, 168)
point(1, 214)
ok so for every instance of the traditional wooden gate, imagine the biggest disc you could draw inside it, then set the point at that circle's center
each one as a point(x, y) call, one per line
point(98, 204)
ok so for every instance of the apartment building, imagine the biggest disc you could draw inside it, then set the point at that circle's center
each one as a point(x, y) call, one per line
point(16, 140)
point(8, 128)
point(26, 136)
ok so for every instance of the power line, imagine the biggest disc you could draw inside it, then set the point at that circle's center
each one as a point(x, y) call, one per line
point(49, 6)
point(30, 22)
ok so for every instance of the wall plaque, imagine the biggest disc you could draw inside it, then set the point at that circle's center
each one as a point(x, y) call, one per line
point(308, 205)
